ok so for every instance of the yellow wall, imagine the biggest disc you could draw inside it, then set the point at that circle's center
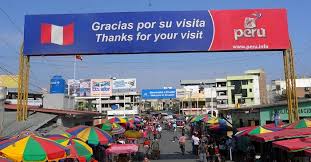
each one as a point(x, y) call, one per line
point(9, 81)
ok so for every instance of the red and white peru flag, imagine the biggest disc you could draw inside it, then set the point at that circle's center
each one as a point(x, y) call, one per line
point(61, 35)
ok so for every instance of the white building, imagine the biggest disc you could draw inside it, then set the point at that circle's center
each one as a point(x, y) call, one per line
point(303, 87)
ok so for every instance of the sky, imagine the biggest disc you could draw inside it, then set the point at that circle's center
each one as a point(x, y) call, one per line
point(152, 70)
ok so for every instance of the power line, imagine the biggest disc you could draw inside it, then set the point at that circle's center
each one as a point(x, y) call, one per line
point(10, 74)
point(11, 21)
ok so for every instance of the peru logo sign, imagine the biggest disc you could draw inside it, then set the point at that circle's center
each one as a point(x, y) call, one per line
point(250, 28)
point(156, 32)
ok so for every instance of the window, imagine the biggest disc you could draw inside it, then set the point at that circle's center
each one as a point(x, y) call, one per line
point(251, 80)
point(241, 101)
point(278, 87)
point(250, 90)
point(244, 92)
point(244, 82)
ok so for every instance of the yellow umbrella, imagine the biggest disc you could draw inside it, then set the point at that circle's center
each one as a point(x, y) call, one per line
point(132, 134)
point(213, 120)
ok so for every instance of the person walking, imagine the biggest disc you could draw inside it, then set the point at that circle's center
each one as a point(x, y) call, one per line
point(159, 130)
point(183, 129)
point(202, 152)
point(182, 142)
point(196, 142)
point(175, 131)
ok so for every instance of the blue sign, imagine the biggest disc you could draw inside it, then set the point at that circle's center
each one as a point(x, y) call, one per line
point(114, 33)
point(114, 107)
point(158, 93)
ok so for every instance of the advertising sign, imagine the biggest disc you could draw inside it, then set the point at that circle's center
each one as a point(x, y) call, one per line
point(124, 83)
point(154, 32)
point(85, 88)
point(73, 87)
point(101, 87)
point(158, 93)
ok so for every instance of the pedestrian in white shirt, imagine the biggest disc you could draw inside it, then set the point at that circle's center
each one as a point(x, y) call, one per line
point(196, 142)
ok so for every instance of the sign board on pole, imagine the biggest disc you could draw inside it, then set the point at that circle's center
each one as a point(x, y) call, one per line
point(155, 32)
point(73, 87)
point(101, 87)
point(85, 88)
point(158, 93)
point(124, 83)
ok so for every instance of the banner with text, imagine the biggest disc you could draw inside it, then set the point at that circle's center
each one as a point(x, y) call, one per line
point(154, 32)
point(158, 93)
point(101, 87)
point(124, 83)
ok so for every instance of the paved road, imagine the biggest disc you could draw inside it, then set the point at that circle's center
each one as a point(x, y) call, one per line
point(170, 150)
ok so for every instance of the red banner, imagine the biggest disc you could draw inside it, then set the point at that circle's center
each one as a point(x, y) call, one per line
point(256, 29)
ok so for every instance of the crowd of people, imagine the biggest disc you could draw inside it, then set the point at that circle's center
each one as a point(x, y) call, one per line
point(206, 147)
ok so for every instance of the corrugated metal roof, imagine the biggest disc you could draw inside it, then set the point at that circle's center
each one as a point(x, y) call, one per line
point(34, 122)
point(55, 111)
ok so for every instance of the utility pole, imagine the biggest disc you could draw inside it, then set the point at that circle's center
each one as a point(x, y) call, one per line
point(212, 102)
point(100, 97)
point(3, 92)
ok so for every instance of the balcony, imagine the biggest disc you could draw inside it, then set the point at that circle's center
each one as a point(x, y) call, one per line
point(222, 106)
point(222, 97)
point(221, 88)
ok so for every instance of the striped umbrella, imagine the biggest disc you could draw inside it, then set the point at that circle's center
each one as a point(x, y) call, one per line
point(117, 129)
point(33, 148)
point(78, 149)
point(117, 120)
point(303, 123)
point(259, 130)
point(91, 135)
point(55, 137)
point(3, 159)
point(253, 130)
point(196, 119)
point(213, 120)
point(130, 125)
point(106, 127)
point(205, 118)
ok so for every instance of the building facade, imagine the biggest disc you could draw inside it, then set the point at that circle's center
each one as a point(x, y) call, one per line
point(233, 91)
point(248, 89)
point(198, 95)
point(303, 88)
point(118, 101)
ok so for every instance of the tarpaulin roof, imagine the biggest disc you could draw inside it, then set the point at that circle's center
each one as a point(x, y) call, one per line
point(122, 149)
point(308, 152)
point(270, 126)
point(293, 145)
point(282, 134)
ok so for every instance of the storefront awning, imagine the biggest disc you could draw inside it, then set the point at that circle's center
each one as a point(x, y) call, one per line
point(282, 134)
point(293, 145)
point(308, 152)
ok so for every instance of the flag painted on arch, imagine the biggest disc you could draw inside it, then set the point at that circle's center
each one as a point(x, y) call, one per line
point(54, 34)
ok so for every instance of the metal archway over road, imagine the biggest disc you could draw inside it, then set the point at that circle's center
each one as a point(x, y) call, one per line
point(156, 32)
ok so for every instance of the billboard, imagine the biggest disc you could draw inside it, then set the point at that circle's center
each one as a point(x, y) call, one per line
point(85, 87)
point(124, 83)
point(158, 93)
point(73, 87)
point(155, 32)
point(101, 87)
